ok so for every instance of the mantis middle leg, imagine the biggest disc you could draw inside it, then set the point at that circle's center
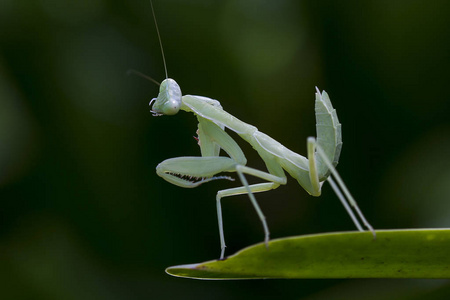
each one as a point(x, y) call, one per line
point(250, 190)
point(175, 170)
point(212, 138)
point(211, 134)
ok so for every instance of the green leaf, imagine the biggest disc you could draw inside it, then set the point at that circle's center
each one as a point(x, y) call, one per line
point(418, 253)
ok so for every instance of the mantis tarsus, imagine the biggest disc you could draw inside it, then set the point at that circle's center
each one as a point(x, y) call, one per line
point(310, 172)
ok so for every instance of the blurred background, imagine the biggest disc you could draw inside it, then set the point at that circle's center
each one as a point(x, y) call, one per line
point(83, 214)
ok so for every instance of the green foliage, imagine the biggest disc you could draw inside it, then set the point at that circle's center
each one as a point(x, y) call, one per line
point(393, 254)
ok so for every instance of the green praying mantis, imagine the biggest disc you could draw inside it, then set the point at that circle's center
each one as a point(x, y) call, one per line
point(311, 172)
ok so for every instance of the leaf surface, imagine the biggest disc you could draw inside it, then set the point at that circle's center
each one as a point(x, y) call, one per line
point(410, 253)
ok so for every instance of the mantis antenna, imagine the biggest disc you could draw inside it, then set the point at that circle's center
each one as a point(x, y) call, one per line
point(132, 71)
point(159, 38)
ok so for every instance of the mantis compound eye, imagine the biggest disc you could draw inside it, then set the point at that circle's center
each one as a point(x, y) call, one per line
point(168, 101)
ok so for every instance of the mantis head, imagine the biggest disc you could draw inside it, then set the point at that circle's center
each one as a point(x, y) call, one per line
point(168, 101)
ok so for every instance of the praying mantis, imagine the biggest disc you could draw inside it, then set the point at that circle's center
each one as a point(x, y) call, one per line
point(311, 172)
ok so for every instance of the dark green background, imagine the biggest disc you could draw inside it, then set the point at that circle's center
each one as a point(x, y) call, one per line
point(83, 214)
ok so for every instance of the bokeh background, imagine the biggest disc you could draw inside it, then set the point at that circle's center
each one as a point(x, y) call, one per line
point(83, 214)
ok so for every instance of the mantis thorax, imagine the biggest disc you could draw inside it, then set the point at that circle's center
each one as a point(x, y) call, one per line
point(168, 101)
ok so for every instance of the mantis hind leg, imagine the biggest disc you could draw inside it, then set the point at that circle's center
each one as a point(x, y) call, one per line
point(337, 188)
